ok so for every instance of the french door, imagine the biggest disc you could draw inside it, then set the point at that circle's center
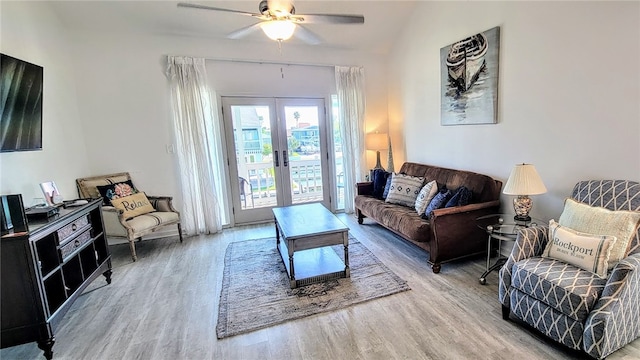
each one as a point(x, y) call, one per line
point(277, 151)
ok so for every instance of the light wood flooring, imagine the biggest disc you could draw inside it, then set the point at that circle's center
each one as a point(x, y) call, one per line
point(165, 306)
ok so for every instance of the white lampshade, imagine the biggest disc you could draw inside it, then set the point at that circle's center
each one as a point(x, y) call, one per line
point(377, 141)
point(278, 30)
point(524, 180)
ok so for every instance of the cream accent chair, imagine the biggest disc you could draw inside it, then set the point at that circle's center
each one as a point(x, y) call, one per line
point(134, 228)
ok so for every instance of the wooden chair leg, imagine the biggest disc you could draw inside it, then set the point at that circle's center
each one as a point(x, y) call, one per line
point(132, 246)
point(180, 231)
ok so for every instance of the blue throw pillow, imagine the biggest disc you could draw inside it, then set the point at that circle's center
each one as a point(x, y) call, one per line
point(387, 187)
point(437, 202)
point(461, 197)
point(379, 182)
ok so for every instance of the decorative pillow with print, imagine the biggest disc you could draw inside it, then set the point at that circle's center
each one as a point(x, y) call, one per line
point(424, 197)
point(404, 189)
point(623, 224)
point(117, 190)
point(133, 205)
point(586, 251)
point(387, 186)
point(437, 202)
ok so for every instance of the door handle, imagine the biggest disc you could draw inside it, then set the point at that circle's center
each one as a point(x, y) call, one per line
point(277, 160)
point(285, 158)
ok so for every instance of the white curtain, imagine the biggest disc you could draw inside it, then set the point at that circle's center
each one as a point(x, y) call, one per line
point(195, 126)
point(351, 103)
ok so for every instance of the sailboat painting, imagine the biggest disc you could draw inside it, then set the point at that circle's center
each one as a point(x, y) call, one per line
point(469, 79)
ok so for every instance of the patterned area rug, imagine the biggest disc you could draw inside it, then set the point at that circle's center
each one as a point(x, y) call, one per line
point(256, 293)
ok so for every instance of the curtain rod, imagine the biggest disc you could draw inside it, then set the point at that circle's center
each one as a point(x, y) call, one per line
point(271, 62)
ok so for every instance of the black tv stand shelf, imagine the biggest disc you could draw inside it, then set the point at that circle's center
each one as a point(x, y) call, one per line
point(45, 269)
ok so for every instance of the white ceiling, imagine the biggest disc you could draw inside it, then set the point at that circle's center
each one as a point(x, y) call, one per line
point(384, 20)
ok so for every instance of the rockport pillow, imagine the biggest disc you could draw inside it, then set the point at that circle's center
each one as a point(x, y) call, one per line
point(622, 224)
point(404, 189)
point(133, 205)
point(424, 197)
point(586, 251)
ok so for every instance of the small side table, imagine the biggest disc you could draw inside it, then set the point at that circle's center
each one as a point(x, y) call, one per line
point(502, 227)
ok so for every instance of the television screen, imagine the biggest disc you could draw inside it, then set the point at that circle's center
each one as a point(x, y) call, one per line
point(20, 105)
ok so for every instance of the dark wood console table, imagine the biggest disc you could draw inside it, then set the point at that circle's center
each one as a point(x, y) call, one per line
point(46, 268)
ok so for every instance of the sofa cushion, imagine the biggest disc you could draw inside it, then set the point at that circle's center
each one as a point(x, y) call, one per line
point(437, 202)
point(461, 197)
point(564, 287)
point(586, 251)
point(483, 187)
point(144, 223)
point(379, 181)
point(399, 218)
point(622, 224)
point(404, 189)
point(425, 196)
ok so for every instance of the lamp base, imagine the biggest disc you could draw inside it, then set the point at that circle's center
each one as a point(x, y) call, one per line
point(522, 204)
point(526, 218)
point(378, 164)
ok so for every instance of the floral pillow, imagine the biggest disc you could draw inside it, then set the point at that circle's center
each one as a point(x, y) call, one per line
point(115, 191)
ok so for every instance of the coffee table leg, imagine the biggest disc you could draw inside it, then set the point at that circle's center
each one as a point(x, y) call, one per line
point(277, 233)
point(347, 270)
point(292, 276)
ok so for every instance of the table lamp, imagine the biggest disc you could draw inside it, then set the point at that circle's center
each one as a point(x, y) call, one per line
point(377, 141)
point(523, 181)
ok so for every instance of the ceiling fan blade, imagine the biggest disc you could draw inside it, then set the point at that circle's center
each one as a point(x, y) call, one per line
point(204, 7)
point(307, 35)
point(240, 33)
point(328, 19)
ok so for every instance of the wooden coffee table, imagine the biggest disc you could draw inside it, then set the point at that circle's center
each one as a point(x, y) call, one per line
point(307, 231)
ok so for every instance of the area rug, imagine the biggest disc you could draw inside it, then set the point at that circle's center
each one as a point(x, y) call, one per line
point(256, 293)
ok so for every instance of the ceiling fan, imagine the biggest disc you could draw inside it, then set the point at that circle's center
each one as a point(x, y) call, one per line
point(279, 21)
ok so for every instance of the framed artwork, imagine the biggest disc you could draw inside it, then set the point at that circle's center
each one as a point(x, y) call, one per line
point(51, 193)
point(469, 79)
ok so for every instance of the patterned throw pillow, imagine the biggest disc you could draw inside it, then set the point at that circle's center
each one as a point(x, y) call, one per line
point(437, 202)
point(622, 224)
point(461, 197)
point(424, 197)
point(404, 189)
point(117, 190)
point(133, 205)
point(387, 186)
point(586, 251)
point(379, 181)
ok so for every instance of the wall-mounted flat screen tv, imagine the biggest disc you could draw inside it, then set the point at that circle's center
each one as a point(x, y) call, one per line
point(20, 105)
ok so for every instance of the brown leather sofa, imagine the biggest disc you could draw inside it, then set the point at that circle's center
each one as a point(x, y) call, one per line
point(450, 233)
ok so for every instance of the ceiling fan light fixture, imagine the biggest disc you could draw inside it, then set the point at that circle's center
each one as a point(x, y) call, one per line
point(278, 30)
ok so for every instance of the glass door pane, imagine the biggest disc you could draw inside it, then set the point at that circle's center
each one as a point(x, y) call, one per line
point(305, 133)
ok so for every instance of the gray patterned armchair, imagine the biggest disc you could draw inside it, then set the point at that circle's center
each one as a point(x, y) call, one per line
point(573, 306)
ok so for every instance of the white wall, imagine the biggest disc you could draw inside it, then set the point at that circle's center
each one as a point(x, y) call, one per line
point(122, 99)
point(32, 33)
point(125, 99)
point(569, 92)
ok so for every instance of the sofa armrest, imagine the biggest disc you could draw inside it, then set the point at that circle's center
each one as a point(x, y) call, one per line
point(455, 232)
point(530, 242)
point(162, 203)
point(364, 188)
point(614, 321)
